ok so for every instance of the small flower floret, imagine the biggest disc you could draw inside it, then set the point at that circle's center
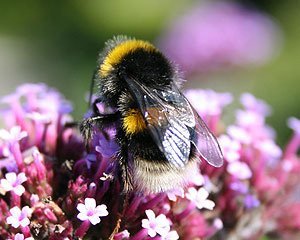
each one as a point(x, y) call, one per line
point(156, 225)
point(20, 236)
point(199, 198)
point(89, 211)
point(13, 182)
point(14, 135)
point(19, 217)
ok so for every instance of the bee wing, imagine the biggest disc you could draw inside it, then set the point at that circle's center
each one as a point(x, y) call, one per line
point(172, 123)
point(206, 143)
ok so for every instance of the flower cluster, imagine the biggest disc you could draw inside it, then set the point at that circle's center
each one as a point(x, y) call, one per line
point(51, 187)
point(215, 35)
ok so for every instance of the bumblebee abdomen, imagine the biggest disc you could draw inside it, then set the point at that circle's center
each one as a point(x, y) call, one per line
point(158, 175)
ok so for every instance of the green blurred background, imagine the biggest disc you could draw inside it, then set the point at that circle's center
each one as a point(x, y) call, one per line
point(57, 42)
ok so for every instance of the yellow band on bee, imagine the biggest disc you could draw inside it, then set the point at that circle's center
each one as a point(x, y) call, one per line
point(134, 122)
point(116, 54)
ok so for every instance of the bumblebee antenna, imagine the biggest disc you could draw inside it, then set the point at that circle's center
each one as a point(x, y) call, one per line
point(92, 84)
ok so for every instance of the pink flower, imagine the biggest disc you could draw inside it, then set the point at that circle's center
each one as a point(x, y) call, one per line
point(220, 34)
point(249, 119)
point(156, 225)
point(89, 211)
point(239, 134)
point(14, 135)
point(20, 236)
point(294, 124)
point(199, 198)
point(172, 235)
point(239, 170)
point(19, 217)
point(212, 102)
point(253, 104)
point(122, 235)
point(178, 192)
point(230, 148)
point(13, 182)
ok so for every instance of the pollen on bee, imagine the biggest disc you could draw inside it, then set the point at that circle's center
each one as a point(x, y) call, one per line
point(116, 54)
point(133, 122)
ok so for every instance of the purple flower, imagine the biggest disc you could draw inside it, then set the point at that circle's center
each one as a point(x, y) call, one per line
point(251, 201)
point(218, 35)
point(19, 217)
point(199, 198)
point(89, 211)
point(218, 223)
point(106, 144)
point(239, 186)
point(13, 182)
point(156, 225)
point(62, 178)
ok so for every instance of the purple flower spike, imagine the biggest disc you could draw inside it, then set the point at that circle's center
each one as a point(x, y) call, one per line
point(50, 183)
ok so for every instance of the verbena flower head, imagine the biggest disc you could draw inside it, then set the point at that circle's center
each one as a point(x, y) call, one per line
point(213, 35)
point(51, 187)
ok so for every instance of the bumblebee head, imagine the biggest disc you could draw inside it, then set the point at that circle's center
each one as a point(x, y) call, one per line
point(124, 57)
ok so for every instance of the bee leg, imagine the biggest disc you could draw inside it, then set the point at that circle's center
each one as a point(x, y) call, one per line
point(86, 128)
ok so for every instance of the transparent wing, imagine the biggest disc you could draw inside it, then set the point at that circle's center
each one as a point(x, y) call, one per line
point(172, 122)
point(206, 143)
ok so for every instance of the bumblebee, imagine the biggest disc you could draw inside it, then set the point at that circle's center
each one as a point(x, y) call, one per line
point(159, 133)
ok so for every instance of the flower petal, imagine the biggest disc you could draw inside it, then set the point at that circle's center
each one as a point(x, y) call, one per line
point(150, 214)
point(101, 210)
point(81, 208)
point(15, 211)
point(82, 216)
point(94, 219)
point(90, 203)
